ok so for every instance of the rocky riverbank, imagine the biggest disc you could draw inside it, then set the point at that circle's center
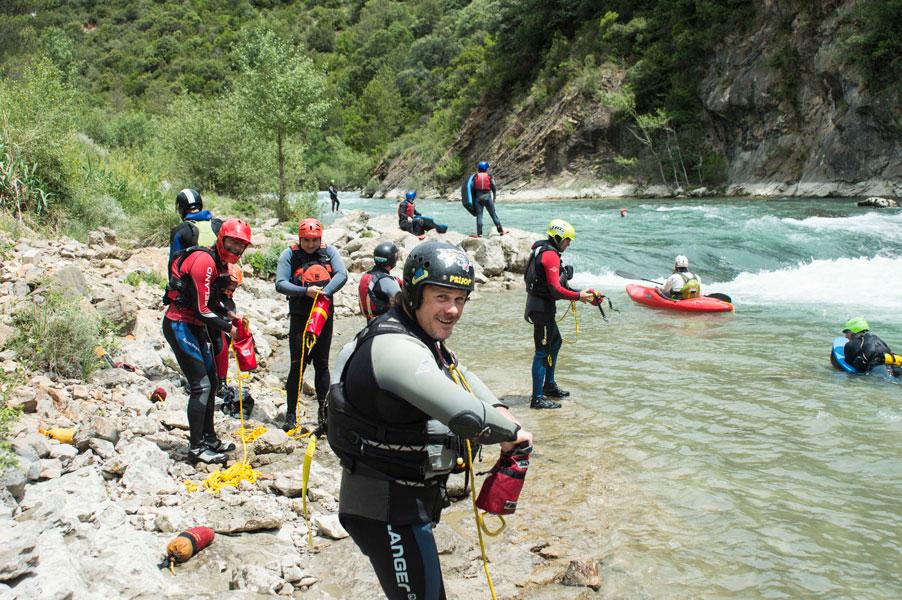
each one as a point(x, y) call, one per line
point(92, 518)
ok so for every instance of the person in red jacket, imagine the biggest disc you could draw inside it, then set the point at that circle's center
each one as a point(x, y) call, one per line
point(546, 282)
point(188, 316)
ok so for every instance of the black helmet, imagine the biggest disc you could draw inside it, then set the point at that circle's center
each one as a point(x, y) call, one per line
point(188, 200)
point(436, 263)
point(386, 255)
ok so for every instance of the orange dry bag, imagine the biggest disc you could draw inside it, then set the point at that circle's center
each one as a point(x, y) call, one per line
point(187, 544)
point(245, 349)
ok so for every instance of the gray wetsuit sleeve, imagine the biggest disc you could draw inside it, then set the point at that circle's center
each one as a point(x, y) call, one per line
point(405, 367)
point(283, 276)
point(389, 286)
point(339, 272)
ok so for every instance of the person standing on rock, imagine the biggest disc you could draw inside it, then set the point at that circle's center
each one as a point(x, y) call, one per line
point(378, 286)
point(305, 271)
point(333, 196)
point(546, 282)
point(185, 328)
point(399, 418)
point(483, 192)
point(198, 227)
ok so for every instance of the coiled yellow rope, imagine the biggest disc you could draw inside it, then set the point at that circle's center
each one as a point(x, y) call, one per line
point(240, 471)
point(575, 318)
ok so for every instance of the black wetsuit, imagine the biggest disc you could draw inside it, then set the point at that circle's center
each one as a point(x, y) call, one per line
point(867, 352)
point(399, 379)
point(333, 196)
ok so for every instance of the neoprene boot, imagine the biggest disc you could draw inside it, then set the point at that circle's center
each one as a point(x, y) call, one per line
point(205, 455)
point(217, 445)
point(542, 402)
point(552, 390)
point(290, 422)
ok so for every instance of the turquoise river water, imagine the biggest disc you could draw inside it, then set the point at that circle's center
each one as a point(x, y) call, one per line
point(711, 456)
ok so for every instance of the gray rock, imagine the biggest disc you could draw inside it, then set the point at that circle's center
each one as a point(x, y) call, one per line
point(67, 501)
point(13, 480)
point(72, 279)
point(51, 468)
point(148, 469)
point(25, 399)
point(329, 526)
point(289, 484)
point(137, 403)
point(143, 356)
point(274, 441)
point(106, 429)
point(115, 466)
point(144, 425)
point(103, 448)
point(64, 452)
point(37, 441)
point(581, 573)
point(116, 378)
point(255, 578)
point(18, 542)
point(83, 435)
point(175, 419)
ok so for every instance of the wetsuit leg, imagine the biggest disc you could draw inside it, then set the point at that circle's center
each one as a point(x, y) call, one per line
point(296, 327)
point(490, 206)
point(220, 343)
point(555, 348)
point(192, 352)
point(319, 355)
point(544, 328)
point(404, 557)
point(480, 205)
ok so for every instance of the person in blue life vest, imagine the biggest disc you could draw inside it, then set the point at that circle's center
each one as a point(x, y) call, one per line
point(865, 351)
point(399, 420)
point(378, 286)
point(189, 317)
point(681, 285)
point(483, 192)
point(333, 196)
point(198, 226)
point(410, 219)
point(547, 281)
point(304, 271)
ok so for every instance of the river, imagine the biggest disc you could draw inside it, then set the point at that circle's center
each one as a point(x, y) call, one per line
point(710, 456)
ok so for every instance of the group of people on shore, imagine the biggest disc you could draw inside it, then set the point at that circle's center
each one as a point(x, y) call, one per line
point(401, 409)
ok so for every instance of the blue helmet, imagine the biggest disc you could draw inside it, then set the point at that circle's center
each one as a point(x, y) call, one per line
point(482, 165)
point(410, 195)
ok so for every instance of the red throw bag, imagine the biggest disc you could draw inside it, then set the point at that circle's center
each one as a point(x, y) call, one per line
point(245, 349)
point(502, 487)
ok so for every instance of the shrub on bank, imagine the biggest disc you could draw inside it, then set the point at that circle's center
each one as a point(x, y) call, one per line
point(57, 335)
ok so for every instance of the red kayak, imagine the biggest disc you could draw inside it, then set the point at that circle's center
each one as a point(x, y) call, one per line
point(649, 296)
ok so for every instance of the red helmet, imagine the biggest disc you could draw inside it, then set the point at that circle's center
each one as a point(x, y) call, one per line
point(310, 228)
point(233, 228)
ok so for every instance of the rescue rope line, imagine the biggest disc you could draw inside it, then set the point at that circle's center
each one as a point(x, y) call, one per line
point(459, 379)
point(304, 347)
point(240, 470)
point(575, 318)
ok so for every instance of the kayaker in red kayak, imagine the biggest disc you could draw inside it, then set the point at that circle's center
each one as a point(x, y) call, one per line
point(681, 284)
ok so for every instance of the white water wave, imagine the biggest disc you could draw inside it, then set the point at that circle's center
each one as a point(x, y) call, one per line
point(886, 224)
point(862, 282)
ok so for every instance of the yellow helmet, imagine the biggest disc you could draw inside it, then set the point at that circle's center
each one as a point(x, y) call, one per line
point(561, 230)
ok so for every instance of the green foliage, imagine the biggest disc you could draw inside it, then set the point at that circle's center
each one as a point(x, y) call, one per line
point(874, 45)
point(265, 261)
point(8, 415)
point(148, 276)
point(57, 335)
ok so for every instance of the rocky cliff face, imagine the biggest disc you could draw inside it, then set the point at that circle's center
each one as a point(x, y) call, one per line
point(788, 115)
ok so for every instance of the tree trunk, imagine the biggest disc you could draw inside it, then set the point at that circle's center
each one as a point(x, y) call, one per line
point(283, 201)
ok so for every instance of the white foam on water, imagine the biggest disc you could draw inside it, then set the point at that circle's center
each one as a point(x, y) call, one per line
point(886, 225)
point(856, 282)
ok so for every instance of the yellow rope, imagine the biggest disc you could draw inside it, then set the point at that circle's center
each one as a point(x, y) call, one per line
point(459, 379)
point(575, 318)
point(305, 345)
point(240, 470)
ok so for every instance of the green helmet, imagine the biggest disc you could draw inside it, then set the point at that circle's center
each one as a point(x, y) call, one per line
point(331, 181)
point(855, 325)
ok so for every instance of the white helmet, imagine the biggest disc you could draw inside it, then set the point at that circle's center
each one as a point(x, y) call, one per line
point(681, 262)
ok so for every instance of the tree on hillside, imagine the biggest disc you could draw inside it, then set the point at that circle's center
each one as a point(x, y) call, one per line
point(280, 93)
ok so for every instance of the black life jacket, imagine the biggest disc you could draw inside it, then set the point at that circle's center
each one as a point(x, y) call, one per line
point(372, 300)
point(871, 353)
point(536, 282)
point(415, 453)
point(180, 289)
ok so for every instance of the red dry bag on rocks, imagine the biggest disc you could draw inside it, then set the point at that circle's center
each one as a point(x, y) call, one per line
point(502, 487)
point(245, 349)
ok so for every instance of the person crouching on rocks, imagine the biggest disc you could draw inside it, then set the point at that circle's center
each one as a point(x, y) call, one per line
point(306, 270)
point(410, 219)
point(184, 326)
point(399, 418)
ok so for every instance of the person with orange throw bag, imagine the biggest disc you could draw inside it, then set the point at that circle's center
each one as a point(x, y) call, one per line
point(309, 273)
